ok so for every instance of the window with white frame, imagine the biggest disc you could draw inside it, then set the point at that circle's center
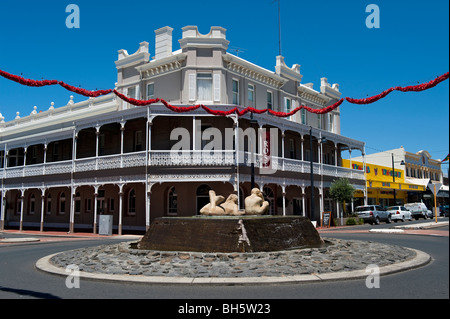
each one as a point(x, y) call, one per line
point(287, 104)
point(303, 116)
point(330, 122)
point(150, 91)
point(251, 95)
point(269, 100)
point(204, 87)
point(319, 121)
point(132, 92)
point(235, 91)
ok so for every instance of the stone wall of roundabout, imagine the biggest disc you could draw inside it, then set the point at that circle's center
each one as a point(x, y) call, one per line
point(334, 259)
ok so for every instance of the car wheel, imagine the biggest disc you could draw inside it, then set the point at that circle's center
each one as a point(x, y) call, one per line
point(403, 219)
point(389, 220)
point(377, 221)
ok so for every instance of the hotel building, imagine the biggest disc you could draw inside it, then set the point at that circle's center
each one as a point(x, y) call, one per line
point(65, 166)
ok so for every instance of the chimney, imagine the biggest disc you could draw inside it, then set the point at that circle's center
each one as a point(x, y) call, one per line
point(163, 42)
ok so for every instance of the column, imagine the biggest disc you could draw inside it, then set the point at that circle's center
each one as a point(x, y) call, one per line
point(119, 231)
point(41, 228)
point(122, 130)
point(237, 158)
point(147, 210)
point(283, 189)
point(282, 148)
point(24, 161)
point(301, 148)
point(335, 154)
point(95, 208)
point(2, 211)
point(22, 192)
point(303, 201)
point(97, 134)
point(72, 208)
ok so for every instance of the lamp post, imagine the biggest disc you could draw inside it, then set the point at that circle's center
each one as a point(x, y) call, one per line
point(393, 176)
point(252, 162)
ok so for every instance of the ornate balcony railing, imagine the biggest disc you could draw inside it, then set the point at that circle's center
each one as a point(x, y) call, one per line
point(176, 159)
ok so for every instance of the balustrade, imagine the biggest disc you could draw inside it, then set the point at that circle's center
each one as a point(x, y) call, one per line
point(170, 158)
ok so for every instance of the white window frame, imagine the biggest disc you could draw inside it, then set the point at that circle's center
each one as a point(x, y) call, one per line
point(251, 94)
point(269, 103)
point(331, 122)
point(204, 76)
point(234, 94)
point(150, 96)
point(303, 117)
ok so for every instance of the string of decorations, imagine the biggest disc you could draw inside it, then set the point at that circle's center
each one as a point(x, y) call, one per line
point(183, 109)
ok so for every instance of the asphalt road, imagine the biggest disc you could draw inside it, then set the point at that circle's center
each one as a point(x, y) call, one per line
point(19, 279)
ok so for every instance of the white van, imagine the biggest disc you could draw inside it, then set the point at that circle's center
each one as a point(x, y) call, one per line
point(419, 210)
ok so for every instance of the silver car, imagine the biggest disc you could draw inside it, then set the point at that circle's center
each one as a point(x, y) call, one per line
point(399, 213)
point(373, 214)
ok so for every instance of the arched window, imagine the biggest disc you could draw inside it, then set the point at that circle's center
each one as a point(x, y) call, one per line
point(32, 206)
point(132, 202)
point(77, 203)
point(62, 203)
point(18, 204)
point(268, 196)
point(172, 207)
point(49, 204)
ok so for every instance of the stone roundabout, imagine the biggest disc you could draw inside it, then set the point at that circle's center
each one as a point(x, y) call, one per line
point(337, 260)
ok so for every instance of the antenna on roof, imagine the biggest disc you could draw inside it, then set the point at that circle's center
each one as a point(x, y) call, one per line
point(237, 50)
point(279, 25)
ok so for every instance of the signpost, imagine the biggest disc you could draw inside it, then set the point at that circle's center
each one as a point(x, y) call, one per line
point(436, 187)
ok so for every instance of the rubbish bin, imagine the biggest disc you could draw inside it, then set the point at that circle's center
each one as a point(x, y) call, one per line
point(105, 225)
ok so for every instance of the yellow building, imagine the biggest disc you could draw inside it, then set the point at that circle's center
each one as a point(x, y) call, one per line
point(381, 185)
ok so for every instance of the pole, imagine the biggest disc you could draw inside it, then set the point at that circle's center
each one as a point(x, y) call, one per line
point(311, 172)
point(393, 178)
point(435, 205)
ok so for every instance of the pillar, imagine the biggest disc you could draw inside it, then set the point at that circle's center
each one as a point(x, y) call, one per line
point(95, 208)
point(41, 228)
point(119, 228)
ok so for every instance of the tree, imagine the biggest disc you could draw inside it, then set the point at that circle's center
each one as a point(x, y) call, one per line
point(342, 191)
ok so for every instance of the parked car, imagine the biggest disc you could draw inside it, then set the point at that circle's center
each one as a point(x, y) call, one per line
point(399, 213)
point(419, 210)
point(373, 214)
point(444, 210)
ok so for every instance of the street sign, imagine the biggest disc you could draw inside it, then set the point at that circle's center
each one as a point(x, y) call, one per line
point(435, 187)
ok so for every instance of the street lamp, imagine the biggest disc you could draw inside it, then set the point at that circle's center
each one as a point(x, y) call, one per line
point(393, 176)
point(252, 162)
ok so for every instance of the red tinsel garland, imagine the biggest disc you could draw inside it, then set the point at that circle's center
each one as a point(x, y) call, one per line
point(83, 91)
point(413, 88)
point(181, 109)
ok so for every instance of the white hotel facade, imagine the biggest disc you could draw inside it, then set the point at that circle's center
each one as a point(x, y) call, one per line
point(63, 167)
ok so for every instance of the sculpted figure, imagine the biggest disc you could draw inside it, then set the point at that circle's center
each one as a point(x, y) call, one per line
point(255, 203)
point(217, 206)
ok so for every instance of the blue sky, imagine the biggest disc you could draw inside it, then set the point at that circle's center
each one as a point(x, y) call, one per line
point(327, 38)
